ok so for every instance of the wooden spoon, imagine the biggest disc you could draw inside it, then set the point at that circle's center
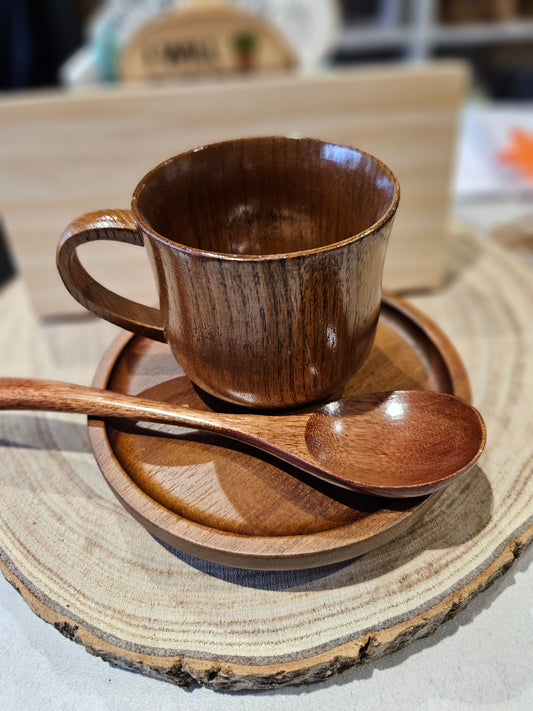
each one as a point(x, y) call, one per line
point(394, 444)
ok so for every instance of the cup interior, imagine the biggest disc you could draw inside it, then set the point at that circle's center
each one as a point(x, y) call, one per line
point(265, 196)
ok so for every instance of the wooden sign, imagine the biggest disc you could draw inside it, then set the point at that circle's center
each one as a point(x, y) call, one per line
point(204, 38)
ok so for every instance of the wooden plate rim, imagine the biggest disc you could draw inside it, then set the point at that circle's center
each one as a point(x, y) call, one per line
point(285, 552)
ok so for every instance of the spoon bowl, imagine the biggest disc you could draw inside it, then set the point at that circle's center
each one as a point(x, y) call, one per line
point(400, 443)
point(393, 444)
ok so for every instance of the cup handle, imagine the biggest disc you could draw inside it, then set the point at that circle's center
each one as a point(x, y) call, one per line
point(118, 226)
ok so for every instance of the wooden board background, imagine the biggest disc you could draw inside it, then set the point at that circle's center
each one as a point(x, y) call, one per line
point(65, 154)
point(88, 568)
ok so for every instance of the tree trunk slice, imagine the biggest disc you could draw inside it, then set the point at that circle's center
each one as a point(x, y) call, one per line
point(86, 566)
point(228, 504)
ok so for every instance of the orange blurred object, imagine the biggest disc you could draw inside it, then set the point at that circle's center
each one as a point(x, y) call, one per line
point(519, 154)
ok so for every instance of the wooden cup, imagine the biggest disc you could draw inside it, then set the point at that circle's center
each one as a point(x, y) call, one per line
point(268, 255)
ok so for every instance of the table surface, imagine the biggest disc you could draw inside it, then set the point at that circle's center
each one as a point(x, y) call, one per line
point(482, 658)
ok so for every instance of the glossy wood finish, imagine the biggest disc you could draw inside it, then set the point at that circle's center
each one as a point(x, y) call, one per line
point(268, 254)
point(115, 226)
point(228, 504)
point(396, 444)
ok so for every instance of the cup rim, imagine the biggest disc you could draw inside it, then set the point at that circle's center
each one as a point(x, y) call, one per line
point(374, 227)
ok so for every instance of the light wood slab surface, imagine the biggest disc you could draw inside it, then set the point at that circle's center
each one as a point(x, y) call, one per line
point(83, 564)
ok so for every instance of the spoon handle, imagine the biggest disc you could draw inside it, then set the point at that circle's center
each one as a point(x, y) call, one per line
point(54, 396)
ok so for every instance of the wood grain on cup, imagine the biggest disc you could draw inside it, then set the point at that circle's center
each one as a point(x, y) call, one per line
point(268, 255)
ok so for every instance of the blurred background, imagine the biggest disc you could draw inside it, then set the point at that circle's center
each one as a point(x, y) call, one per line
point(63, 47)
point(51, 42)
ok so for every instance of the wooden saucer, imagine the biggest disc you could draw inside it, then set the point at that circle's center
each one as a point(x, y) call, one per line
point(229, 504)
